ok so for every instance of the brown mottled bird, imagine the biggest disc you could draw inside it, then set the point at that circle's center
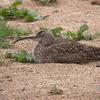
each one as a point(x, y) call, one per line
point(59, 50)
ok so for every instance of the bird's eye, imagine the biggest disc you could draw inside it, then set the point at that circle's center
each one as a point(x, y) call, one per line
point(39, 34)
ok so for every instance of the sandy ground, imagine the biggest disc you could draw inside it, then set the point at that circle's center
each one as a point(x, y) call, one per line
point(33, 81)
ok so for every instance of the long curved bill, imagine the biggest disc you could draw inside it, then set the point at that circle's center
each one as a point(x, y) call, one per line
point(23, 38)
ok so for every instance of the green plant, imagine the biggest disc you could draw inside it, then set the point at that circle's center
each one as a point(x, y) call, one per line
point(20, 31)
point(81, 34)
point(56, 91)
point(21, 56)
point(43, 1)
point(31, 16)
point(77, 35)
point(46, 1)
point(70, 35)
point(13, 12)
point(5, 43)
point(10, 12)
point(24, 57)
point(16, 3)
point(2, 62)
point(10, 54)
point(6, 32)
point(81, 31)
point(57, 31)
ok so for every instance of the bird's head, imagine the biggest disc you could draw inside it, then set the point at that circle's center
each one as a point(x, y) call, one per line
point(44, 37)
point(41, 34)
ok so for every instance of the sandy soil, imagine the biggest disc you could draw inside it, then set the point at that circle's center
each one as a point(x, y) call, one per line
point(33, 81)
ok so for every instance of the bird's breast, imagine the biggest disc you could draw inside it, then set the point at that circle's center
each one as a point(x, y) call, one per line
point(39, 53)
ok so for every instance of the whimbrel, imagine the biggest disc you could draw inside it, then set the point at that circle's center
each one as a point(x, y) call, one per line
point(59, 50)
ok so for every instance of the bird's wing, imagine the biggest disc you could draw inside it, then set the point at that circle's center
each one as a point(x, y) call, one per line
point(72, 52)
point(67, 47)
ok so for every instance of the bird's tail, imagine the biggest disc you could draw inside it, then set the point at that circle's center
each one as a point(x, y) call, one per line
point(94, 53)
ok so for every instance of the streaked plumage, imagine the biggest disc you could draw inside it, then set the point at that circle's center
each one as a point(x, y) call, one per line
point(59, 50)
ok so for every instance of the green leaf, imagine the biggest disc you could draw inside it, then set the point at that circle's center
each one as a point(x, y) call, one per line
point(20, 31)
point(10, 54)
point(32, 13)
point(8, 12)
point(12, 12)
point(24, 57)
point(56, 31)
point(29, 18)
point(29, 58)
point(32, 16)
point(89, 36)
point(70, 35)
point(4, 12)
point(21, 13)
point(44, 1)
point(5, 44)
point(1, 18)
point(5, 30)
point(2, 62)
point(16, 3)
point(82, 29)
point(21, 56)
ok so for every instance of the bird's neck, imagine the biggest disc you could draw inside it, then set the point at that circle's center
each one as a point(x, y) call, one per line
point(47, 40)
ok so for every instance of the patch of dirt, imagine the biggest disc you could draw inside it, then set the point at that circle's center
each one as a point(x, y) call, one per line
point(33, 81)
